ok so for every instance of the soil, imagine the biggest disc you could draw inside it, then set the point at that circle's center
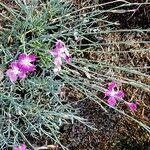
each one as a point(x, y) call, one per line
point(114, 132)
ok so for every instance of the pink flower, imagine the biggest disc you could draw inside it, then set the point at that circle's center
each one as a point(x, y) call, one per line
point(132, 106)
point(57, 61)
point(15, 72)
point(22, 147)
point(112, 94)
point(61, 48)
point(25, 62)
point(60, 51)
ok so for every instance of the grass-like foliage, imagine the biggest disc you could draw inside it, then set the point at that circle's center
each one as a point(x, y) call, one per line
point(31, 109)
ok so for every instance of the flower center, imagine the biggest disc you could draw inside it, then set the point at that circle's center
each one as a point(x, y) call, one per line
point(16, 71)
point(112, 93)
point(26, 62)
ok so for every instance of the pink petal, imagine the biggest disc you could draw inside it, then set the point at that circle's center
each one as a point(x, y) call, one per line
point(53, 53)
point(59, 44)
point(22, 147)
point(119, 94)
point(22, 74)
point(22, 56)
point(14, 64)
point(31, 68)
point(107, 93)
point(112, 85)
point(61, 48)
point(57, 61)
point(132, 106)
point(60, 52)
point(11, 75)
point(62, 55)
point(32, 57)
point(25, 68)
point(57, 53)
point(112, 101)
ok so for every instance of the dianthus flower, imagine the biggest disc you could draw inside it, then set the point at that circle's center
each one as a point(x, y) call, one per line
point(25, 62)
point(14, 72)
point(60, 51)
point(22, 147)
point(113, 94)
point(21, 67)
point(132, 106)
